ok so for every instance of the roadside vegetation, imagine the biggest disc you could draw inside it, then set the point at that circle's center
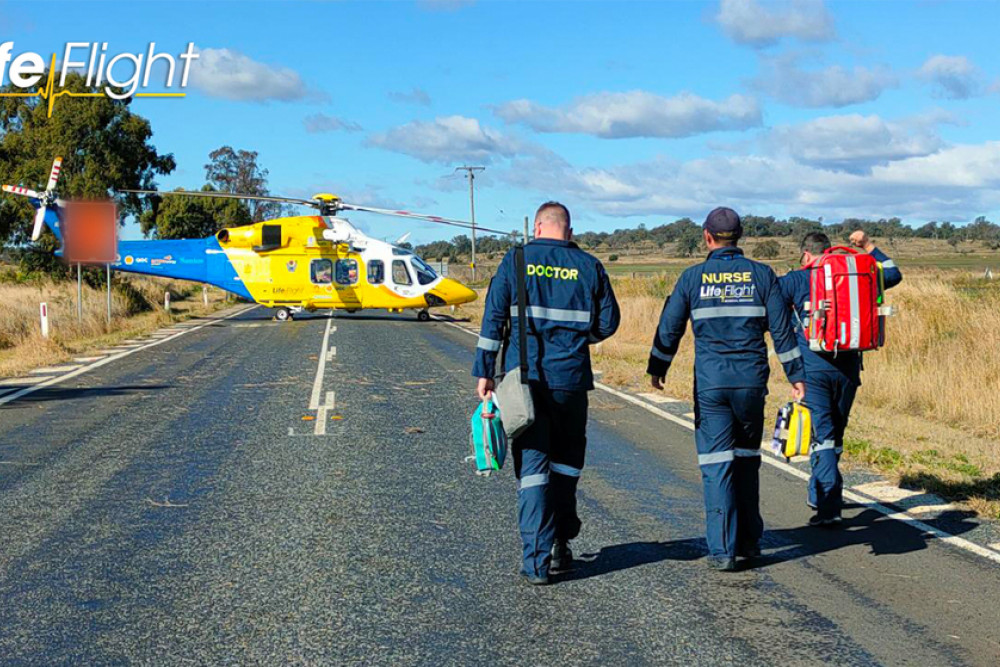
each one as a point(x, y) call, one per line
point(928, 414)
point(136, 309)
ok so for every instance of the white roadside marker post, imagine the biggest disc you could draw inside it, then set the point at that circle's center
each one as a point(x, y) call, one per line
point(204, 294)
point(43, 309)
point(166, 301)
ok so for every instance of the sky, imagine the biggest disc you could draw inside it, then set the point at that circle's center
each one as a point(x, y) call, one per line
point(628, 112)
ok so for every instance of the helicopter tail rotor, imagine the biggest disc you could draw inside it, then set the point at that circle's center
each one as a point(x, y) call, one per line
point(44, 199)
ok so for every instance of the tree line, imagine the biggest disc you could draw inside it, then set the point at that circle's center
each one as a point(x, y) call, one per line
point(684, 235)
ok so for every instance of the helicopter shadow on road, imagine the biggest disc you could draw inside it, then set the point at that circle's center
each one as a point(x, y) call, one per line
point(871, 528)
point(49, 394)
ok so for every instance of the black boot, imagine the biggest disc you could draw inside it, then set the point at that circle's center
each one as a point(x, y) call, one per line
point(562, 557)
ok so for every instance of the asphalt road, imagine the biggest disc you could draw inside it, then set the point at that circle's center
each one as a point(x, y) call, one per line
point(175, 507)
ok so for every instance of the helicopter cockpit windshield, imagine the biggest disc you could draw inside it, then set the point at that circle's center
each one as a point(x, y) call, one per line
point(425, 274)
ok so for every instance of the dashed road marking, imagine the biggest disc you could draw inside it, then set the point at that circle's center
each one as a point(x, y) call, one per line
point(49, 370)
point(118, 354)
point(660, 398)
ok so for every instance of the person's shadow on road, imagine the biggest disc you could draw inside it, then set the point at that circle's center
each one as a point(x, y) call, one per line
point(883, 536)
point(633, 554)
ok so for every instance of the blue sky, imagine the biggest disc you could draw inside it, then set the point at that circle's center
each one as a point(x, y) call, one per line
point(628, 112)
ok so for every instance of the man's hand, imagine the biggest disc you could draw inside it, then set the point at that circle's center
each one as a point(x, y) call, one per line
point(798, 391)
point(657, 382)
point(484, 388)
point(859, 239)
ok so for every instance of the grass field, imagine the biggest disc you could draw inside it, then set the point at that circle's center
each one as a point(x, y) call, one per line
point(928, 413)
point(137, 308)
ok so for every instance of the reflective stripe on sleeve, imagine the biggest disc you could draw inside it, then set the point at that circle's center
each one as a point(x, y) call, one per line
point(529, 481)
point(823, 446)
point(660, 355)
point(746, 453)
point(785, 357)
point(557, 314)
point(888, 264)
point(715, 457)
point(731, 311)
point(562, 469)
point(488, 344)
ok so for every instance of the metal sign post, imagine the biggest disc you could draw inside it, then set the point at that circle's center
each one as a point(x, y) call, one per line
point(79, 293)
point(108, 266)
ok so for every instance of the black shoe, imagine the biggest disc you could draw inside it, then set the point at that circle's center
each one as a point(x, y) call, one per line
point(562, 556)
point(748, 551)
point(722, 563)
point(832, 522)
point(535, 580)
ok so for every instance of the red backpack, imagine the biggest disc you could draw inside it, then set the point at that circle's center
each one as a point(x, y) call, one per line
point(846, 293)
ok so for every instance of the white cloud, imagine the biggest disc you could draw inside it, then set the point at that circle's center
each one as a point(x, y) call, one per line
point(953, 77)
point(834, 86)
point(854, 142)
point(234, 76)
point(321, 122)
point(636, 114)
point(413, 96)
point(447, 140)
point(749, 22)
point(956, 183)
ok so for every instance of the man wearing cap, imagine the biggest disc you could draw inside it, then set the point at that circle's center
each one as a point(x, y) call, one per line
point(832, 380)
point(731, 302)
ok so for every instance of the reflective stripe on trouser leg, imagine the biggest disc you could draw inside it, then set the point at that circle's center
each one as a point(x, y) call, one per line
point(534, 511)
point(748, 411)
point(569, 448)
point(714, 438)
point(829, 397)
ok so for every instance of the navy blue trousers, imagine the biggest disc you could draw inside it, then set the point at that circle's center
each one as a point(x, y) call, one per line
point(729, 424)
point(829, 397)
point(548, 461)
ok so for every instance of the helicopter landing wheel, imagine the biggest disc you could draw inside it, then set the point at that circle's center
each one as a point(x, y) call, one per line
point(424, 316)
point(283, 314)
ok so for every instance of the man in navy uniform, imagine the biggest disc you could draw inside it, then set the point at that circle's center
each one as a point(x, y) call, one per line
point(832, 380)
point(570, 305)
point(731, 302)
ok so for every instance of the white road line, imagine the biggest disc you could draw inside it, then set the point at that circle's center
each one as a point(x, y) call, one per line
point(49, 370)
point(320, 368)
point(849, 494)
point(119, 354)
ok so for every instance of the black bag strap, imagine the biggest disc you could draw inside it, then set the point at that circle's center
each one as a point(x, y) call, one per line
point(522, 320)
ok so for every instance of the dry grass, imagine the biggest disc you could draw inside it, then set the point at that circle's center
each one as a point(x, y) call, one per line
point(929, 411)
point(136, 307)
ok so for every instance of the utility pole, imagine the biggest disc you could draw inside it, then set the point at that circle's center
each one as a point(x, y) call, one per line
point(471, 174)
point(524, 241)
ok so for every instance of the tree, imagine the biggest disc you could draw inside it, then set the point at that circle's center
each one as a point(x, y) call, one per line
point(193, 217)
point(689, 243)
point(229, 170)
point(769, 249)
point(105, 148)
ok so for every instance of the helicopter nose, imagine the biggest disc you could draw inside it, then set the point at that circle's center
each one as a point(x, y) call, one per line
point(453, 292)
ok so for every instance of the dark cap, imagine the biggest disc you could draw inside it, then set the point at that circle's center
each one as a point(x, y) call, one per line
point(724, 223)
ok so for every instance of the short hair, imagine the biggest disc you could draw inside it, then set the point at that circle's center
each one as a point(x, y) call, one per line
point(723, 243)
point(815, 243)
point(554, 206)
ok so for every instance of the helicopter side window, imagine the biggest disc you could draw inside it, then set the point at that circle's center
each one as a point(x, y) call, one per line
point(321, 271)
point(347, 271)
point(425, 274)
point(376, 272)
point(400, 275)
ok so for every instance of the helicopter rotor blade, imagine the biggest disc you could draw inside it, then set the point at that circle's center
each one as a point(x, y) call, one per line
point(18, 190)
point(421, 216)
point(36, 232)
point(54, 174)
point(224, 195)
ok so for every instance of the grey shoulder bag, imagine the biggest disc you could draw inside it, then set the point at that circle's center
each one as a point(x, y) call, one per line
point(513, 394)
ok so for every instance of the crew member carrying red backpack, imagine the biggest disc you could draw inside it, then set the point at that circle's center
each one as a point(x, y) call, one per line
point(837, 298)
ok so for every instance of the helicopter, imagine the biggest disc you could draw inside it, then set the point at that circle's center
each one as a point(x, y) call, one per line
point(291, 264)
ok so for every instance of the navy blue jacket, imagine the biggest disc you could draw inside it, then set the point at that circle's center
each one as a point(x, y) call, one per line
point(795, 290)
point(731, 301)
point(570, 305)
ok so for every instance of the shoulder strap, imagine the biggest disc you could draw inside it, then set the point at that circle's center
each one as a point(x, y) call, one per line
point(522, 300)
